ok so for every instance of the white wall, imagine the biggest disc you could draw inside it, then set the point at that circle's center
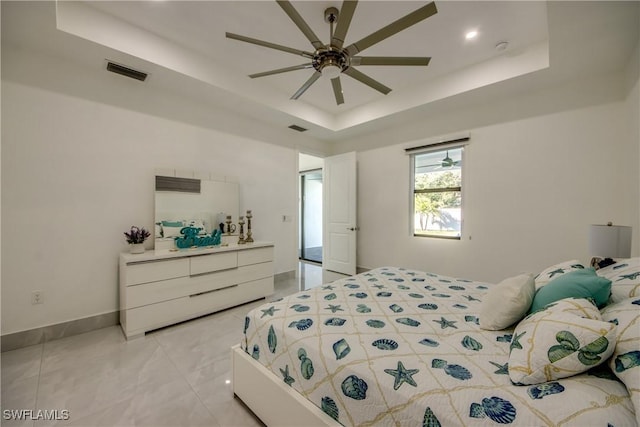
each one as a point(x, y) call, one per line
point(554, 174)
point(76, 174)
point(633, 111)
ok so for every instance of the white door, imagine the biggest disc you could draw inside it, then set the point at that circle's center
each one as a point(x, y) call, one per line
point(339, 214)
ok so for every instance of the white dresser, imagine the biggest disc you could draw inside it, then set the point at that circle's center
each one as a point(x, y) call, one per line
point(159, 288)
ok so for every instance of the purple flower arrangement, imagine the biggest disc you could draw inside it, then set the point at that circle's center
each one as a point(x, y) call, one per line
point(137, 234)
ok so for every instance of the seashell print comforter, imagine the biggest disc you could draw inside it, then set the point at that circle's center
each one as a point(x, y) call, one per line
point(401, 347)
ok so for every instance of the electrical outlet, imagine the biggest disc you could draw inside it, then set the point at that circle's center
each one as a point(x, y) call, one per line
point(37, 298)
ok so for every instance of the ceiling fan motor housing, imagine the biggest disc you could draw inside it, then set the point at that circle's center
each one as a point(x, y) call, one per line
point(330, 56)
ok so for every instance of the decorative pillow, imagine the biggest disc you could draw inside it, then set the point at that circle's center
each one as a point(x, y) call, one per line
point(625, 362)
point(507, 302)
point(172, 223)
point(565, 339)
point(625, 278)
point(581, 283)
point(172, 228)
point(557, 270)
point(197, 223)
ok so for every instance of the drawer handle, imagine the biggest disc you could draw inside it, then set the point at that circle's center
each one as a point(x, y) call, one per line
point(213, 271)
point(213, 290)
point(150, 261)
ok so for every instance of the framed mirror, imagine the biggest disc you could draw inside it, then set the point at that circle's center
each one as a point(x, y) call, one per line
point(200, 203)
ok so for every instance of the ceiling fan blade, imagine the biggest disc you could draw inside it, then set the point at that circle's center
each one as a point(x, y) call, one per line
point(300, 22)
point(363, 78)
point(390, 60)
point(281, 70)
point(395, 27)
point(315, 76)
point(337, 90)
point(269, 45)
point(344, 20)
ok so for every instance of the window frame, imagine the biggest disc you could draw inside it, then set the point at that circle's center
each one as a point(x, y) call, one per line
point(434, 148)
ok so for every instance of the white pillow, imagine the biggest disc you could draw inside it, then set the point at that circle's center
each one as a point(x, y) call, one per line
point(507, 302)
point(172, 228)
point(625, 362)
point(566, 338)
point(550, 273)
point(625, 278)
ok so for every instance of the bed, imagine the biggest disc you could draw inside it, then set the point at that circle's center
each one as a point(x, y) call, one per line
point(395, 346)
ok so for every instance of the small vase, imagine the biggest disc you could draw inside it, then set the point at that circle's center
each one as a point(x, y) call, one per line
point(137, 248)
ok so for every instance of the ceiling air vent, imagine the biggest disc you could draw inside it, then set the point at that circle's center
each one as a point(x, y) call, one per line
point(126, 71)
point(298, 128)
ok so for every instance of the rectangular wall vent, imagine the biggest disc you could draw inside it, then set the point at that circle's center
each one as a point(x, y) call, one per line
point(298, 128)
point(182, 185)
point(126, 71)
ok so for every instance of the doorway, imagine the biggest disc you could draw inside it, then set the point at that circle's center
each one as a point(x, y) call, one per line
point(311, 216)
point(310, 244)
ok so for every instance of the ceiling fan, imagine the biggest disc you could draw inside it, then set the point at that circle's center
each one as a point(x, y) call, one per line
point(332, 59)
point(448, 162)
point(445, 163)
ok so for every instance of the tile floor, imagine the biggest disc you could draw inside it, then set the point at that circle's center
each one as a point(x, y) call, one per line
point(176, 376)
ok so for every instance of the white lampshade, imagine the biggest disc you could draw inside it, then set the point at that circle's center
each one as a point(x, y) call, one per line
point(610, 241)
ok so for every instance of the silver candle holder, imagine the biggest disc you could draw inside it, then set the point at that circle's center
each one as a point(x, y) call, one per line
point(249, 238)
point(231, 228)
point(241, 240)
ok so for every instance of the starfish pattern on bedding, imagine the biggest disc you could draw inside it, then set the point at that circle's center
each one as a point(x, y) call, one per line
point(378, 286)
point(515, 342)
point(444, 323)
point(632, 276)
point(288, 379)
point(470, 298)
point(328, 288)
point(334, 308)
point(402, 375)
point(270, 311)
point(502, 369)
point(556, 271)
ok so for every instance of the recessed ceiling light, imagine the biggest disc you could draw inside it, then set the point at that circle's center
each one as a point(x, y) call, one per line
point(471, 35)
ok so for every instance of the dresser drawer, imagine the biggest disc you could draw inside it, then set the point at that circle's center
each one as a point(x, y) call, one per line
point(151, 293)
point(148, 317)
point(153, 271)
point(255, 256)
point(214, 262)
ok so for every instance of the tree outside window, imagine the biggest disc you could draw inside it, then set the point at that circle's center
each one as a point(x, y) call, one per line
point(437, 198)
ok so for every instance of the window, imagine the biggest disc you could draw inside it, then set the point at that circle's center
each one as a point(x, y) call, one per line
point(437, 193)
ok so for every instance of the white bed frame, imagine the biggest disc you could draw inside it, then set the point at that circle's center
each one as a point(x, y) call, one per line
point(274, 402)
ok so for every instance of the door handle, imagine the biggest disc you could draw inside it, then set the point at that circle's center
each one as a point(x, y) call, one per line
point(353, 228)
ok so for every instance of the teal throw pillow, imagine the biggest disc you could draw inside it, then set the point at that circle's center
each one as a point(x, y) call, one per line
point(583, 283)
point(172, 224)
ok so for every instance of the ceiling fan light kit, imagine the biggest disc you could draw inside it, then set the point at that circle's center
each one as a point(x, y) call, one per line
point(331, 70)
point(332, 59)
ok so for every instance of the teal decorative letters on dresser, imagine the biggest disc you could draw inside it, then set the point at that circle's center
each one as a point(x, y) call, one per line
point(191, 238)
